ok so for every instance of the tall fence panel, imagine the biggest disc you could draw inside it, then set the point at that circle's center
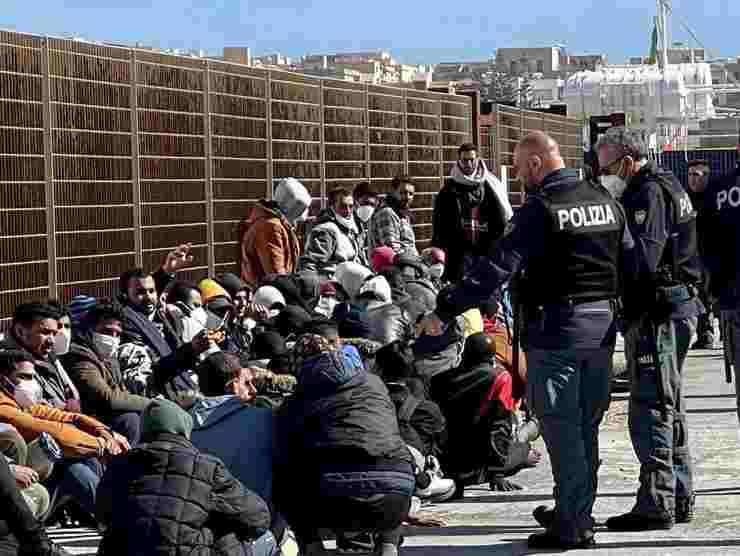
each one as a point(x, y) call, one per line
point(109, 157)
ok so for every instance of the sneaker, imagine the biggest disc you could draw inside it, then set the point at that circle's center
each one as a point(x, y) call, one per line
point(548, 540)
point(636, 522)
point(439, 490)
point(544, 516)
point(685, 509)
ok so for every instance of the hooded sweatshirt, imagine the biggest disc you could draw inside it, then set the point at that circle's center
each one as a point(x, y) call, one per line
point(270, 244)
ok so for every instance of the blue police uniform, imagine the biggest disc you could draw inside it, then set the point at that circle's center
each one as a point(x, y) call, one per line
point(722, 259)
point(661, 314)
point(570, 239)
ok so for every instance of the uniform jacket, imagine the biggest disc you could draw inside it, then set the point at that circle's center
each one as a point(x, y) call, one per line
point(166, 498)
point(390, 226)
point(269, 245)
point(328, 244)
point(102, 390)
point(79, 436)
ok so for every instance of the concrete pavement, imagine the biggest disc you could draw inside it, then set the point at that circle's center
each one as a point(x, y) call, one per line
point(499, 523)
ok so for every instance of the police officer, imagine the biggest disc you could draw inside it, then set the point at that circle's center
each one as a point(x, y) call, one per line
point(722, 259)
point(660, 316)
point(568, 237)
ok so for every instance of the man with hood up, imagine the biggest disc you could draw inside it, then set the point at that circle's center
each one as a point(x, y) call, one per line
point(334, 238)
point(470, 213)
point(270, 244)
point(172, 499)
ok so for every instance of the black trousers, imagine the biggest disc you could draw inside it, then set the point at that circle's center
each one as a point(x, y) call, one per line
point(382, 514)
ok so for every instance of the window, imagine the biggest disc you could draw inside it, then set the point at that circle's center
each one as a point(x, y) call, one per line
point(540, 66)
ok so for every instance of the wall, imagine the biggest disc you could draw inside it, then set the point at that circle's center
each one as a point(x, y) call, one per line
point(109, 157)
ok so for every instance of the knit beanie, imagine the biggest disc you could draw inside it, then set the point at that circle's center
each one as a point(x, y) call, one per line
point(269, 296)
point(232, 283)
point(165, 417)
point(210, 289)
point(292, 320)
point(353, 321)
point(381, 258)
point(78, 306)
point(350, 276)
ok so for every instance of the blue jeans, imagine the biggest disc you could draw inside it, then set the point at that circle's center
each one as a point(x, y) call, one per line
point(657, 414)
point(569, 393)
point(75, 479)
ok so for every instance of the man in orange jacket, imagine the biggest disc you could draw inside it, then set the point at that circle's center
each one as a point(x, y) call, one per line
point(81, 438)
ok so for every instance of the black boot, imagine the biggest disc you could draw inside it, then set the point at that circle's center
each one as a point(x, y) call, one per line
point(637, 522)
point(549, 540)
point(685, 509)
point(544, 516)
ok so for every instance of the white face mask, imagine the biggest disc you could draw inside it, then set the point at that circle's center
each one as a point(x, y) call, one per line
point(614, 185)
point(106, 345)
point(194, 324)
point(436, 271)
point(28, 393)
point(326, 306)
point(62, 341)
point(365, 212)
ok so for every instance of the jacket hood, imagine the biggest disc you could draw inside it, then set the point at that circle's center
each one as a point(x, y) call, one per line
point(293, 199)
point(328, 372)
point(165, 417)
point(377, 291)
point(350, 276)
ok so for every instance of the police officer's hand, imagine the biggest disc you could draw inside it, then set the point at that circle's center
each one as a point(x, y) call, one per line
point(429, 325)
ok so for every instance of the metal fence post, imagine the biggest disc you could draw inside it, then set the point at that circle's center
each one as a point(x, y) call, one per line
point(268, 132)
point(51, 243)
point(208, 151)
point(322, 145)
point(367, 132)
point(135, 168)
point(405, 133)
point(497, 139)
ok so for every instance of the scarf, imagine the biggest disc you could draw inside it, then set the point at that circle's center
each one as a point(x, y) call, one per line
point(474, 180)
point(347, 223)
point(483, 176)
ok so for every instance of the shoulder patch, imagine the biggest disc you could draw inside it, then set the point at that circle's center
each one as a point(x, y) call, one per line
point(640, 217)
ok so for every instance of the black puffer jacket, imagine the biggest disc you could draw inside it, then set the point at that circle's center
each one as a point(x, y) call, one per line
point(172, 500)
point(389, 323)
point(339, 416)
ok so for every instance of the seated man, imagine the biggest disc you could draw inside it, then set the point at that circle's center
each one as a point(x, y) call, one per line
point(81, 438)
point(477, 401)
point(21, 533)
point(92, 363)
point(420, 420)
point(150, 343)
point(166, 497)
point(355, 468)
point(34, 330)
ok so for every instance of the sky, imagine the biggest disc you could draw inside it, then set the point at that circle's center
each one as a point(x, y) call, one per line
point(415, 31)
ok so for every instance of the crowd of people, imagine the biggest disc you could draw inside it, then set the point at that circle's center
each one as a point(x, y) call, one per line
point(173, 415)
point(344, 378)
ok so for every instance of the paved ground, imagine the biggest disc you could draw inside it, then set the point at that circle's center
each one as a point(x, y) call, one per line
point(491, 524)
point(498, 524)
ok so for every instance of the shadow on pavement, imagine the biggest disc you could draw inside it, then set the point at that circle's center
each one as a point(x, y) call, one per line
point(471, 530)
point(502, 498)
point(709, 396)
point(518, 548)
point(717, 491)
point(674, 543)
point(712, 410)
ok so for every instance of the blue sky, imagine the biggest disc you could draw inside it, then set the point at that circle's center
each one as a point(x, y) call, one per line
point(416, 31)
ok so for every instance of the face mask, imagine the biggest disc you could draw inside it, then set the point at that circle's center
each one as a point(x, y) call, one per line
point(28, 393)
point(614, 185)
point(194, 324)
point(436, 271)
point(62, 341)
point(106, 345)
point(326, 306)
point(365, 212)
point(346, 222)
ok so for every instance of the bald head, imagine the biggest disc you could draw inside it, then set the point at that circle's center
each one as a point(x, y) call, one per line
point(536, 156)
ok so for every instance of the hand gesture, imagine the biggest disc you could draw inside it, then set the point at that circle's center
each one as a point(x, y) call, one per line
point(122, 442)
point(24, 476)
point(178, 258)
point(430, 325)
point(257, 312)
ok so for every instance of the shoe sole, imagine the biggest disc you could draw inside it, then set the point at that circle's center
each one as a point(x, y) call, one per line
point(444, 496)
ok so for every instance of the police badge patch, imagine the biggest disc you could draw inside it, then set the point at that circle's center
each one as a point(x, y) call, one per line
point(640, 216)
